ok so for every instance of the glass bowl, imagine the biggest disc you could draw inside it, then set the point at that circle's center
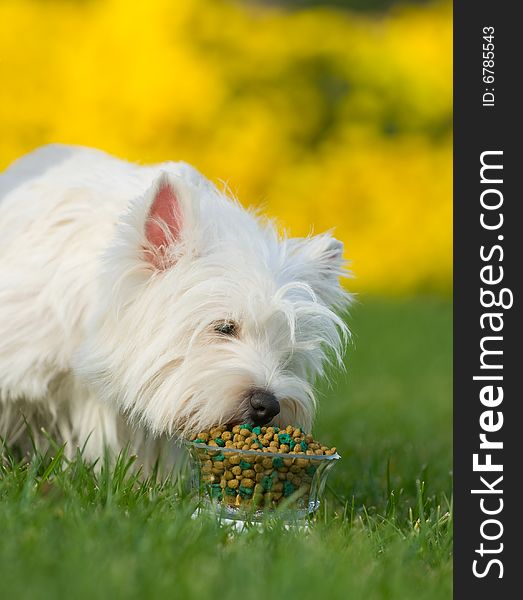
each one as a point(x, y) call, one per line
point(250, 485)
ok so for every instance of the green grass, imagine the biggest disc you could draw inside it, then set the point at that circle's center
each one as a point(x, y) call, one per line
point(384, 530)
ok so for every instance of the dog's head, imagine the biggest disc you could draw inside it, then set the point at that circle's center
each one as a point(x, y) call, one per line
point(208, 316)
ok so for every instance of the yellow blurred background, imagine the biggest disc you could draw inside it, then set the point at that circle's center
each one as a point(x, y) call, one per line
point(325, 117)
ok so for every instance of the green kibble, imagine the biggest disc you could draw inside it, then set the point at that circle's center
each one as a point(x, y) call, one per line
point(310, 470)
point(288, 488)
point(304, 445)
point(220, 442)
point(199, 441)
point(267, 483)
point(219, 457)
point(277, 462)
point(245, 491)
point(246, 426)
point(216, 491)
point(285, 438)
point(230, 492)
point(245, 465)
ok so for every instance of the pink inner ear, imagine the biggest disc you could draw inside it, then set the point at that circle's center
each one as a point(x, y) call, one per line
point(165, 208)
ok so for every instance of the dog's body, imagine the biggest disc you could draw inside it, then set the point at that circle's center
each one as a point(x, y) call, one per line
point(139, 302)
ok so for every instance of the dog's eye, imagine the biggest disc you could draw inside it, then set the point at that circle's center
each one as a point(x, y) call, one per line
point(227, 328)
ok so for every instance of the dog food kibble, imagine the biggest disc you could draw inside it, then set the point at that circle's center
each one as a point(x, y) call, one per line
point(238, 477)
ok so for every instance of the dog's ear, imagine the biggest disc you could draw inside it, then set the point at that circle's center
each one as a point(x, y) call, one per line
point(318, 261)
point(164, 222)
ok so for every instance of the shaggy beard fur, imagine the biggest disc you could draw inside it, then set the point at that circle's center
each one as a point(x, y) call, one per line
point(111, 293)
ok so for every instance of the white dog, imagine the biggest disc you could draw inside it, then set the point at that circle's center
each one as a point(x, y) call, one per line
point(138, 302)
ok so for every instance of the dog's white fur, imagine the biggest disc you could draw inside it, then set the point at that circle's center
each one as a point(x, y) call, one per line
point(108, 303)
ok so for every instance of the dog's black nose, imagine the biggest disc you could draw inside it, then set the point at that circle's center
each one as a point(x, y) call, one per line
point(263, 406)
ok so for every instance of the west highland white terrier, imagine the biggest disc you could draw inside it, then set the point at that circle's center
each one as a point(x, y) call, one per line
point(139, 303)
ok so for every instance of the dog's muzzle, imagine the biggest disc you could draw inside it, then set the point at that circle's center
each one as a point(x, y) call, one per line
point(263, 406)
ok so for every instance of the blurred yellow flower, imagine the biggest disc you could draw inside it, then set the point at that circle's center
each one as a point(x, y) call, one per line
point(325, 118)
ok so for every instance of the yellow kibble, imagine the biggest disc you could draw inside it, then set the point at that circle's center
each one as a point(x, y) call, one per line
point(250, 473)
point(226, 436)
point(247, 482)
point(267, 463)
point(284, 448)
point(233, 484)
point(245, 432)
point(236, 470)
point(277, 487)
